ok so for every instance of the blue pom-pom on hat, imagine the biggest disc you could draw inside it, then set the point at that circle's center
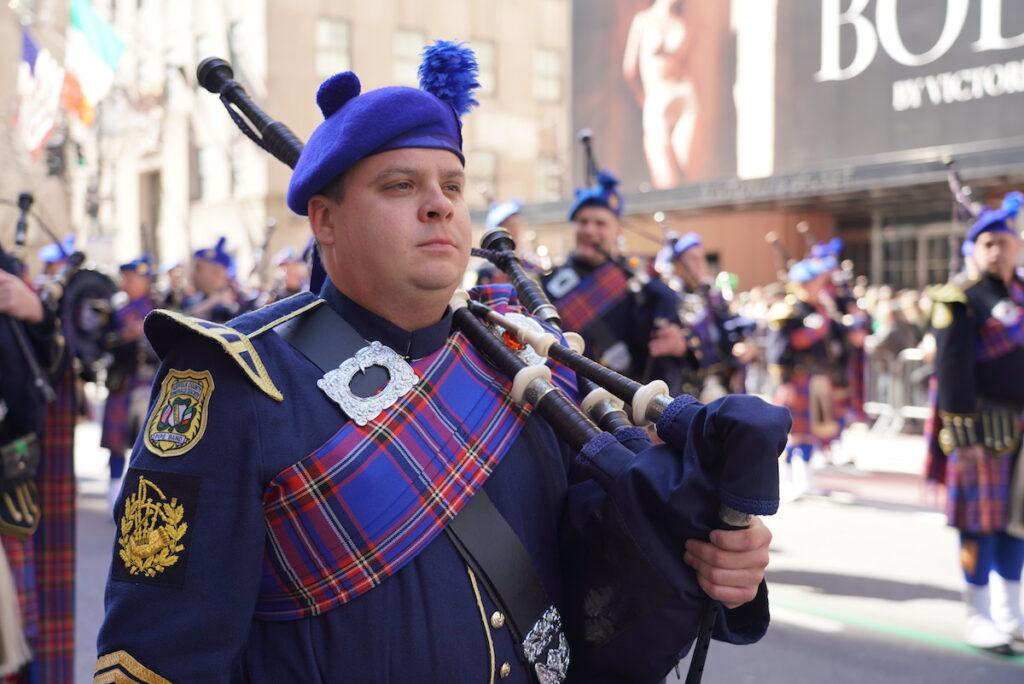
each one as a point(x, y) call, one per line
point(603, 194)
point(357, 125)
point(832, 248)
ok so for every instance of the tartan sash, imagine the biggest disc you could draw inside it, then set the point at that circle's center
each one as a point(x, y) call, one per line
point(595, 295)
point(365, 503)
point(998, 338)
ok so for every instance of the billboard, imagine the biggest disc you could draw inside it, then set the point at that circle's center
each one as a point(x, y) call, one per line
point(793, 93)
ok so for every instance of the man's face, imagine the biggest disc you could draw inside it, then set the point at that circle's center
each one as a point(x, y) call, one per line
point(208, 277)
point(596, 226)
point(996, 253)
point(401, 225)
point(693, 266)
point(134, 284)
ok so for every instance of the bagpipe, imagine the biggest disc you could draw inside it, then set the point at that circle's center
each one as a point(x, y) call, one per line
point(79, 297)
point(717, 464)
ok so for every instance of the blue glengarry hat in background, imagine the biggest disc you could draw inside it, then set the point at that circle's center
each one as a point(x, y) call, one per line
point(357, 125)
point(499, 212)
point(685, 243)
point(604, 194)
point(991, 221)
point(832, 248)
point(807, 270)
point(142, 265)
point(57, 251)
point(216, 254)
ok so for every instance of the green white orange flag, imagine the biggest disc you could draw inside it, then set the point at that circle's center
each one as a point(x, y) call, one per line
point(91, 57)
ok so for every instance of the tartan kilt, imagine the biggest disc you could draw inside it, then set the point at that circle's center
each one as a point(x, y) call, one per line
point(935, 462)
point(855, 375)
point(21, 558)
point(978, 492)
point(795, 395)
point(115, 420)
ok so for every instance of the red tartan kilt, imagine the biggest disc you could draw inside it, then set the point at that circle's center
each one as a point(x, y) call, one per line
point(978, 492)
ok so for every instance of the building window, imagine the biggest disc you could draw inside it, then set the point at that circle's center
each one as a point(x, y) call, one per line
point(482, 168)
point(547, 75)
point(899, 262)
point(937, 265)
point(548, 177)
point(487, 62)
point(408, 45)
point(332, 47)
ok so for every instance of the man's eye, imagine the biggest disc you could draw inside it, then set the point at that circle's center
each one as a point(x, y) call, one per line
point(400, 185)
point(454, 187)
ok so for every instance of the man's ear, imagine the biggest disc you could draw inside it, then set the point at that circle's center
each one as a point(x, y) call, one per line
point(323, 219)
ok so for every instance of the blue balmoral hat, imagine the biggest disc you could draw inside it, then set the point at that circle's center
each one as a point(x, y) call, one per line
point(686, 243)
point(832, 248)
point(500, 212)
point(604, 194)
point(990, 221)
point(57, 251)
point(357, 125)
point(808, 269)
point(143, 266)
point(215, 255)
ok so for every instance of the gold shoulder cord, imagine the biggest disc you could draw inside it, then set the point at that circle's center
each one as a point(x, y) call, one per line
point(483, 619)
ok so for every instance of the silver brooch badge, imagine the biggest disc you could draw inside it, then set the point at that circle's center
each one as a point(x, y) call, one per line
point(1006, 312)
point(336, 383)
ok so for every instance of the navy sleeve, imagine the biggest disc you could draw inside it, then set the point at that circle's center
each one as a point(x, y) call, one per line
point(189, 537)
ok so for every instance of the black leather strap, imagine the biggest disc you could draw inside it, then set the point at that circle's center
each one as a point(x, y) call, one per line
point(488, 544)
point(327, 340)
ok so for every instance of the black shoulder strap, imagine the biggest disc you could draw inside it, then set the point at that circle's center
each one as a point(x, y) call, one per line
point(479, 532)
point(328, 340)
point(491, 547)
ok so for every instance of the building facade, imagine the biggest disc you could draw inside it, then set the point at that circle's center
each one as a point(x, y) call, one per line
point(166, 171)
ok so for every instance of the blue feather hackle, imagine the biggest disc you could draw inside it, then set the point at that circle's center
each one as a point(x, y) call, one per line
point(449, 72)
point(606, 180)
point(1012, 203)
point(221, 241)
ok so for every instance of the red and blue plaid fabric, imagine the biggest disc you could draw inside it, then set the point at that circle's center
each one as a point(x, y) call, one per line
point(596, 294)
point(997, 338)
point(935, 462)
point(360, 507)
point(978, 492)
point(116, 418)
point(54, 650)
point(796, 396)
point(44, 564)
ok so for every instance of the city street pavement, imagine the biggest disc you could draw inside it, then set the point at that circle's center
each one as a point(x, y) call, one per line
point(863, 580)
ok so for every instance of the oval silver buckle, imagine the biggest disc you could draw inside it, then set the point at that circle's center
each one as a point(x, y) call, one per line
point(336, 383)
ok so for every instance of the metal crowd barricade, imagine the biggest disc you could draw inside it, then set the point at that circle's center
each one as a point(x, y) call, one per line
point(896, 390)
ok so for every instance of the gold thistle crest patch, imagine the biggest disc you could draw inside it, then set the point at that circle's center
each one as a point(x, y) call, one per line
point(156, 518)
point(178, 420)
point(151, 530)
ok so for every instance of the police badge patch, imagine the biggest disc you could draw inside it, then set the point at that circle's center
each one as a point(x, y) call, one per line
point(154, 517)
point(178, 420)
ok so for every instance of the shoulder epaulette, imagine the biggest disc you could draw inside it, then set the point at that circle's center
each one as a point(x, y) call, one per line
point(255, 323)
point(949, 293)
point(161, 326)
